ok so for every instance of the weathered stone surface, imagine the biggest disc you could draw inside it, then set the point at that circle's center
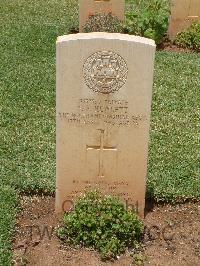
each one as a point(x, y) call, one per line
point(89, 7)
point(183, 14)
point(104, 88)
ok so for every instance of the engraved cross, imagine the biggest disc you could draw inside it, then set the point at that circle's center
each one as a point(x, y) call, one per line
point(101, 148)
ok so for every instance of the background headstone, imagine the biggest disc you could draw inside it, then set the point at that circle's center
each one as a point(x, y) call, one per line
point(183, 14)
point(104, 88)
point(90, 7)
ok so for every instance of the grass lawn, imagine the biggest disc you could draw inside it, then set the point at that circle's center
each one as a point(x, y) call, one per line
point(27, 101)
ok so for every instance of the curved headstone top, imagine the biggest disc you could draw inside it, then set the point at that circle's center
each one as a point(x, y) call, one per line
point(106, 36)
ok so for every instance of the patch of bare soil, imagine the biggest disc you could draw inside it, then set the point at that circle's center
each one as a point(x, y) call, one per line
point(169, 46)
point(171, 237)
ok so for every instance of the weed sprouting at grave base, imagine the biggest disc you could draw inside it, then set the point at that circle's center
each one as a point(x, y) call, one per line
point(103, 223)
point(103, 23)
point(189, 38)
point(148, 19)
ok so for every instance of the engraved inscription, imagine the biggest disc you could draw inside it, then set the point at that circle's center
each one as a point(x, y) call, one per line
point(110, 112)
point(116, 188)
point(105, 72)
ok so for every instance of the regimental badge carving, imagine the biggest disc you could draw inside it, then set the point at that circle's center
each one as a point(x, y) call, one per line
point(105, 72)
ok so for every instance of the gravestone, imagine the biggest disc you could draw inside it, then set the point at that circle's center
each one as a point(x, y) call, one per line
point(104, 88)
point(183, 14)
point(90, 7)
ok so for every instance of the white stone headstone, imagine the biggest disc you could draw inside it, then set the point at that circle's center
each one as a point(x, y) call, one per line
point(90, 7)
point(104, 90)
point(183, 14)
